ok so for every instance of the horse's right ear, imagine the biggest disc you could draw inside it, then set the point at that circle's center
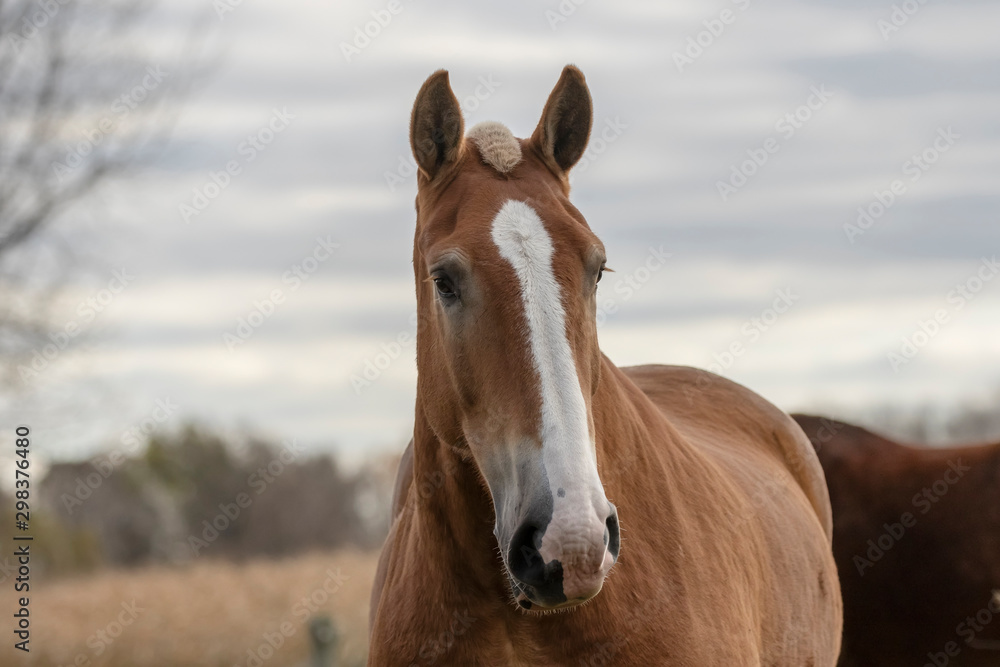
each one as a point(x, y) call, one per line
point(436, 126)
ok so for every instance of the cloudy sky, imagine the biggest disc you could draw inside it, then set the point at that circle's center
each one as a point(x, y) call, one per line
point(837, 161)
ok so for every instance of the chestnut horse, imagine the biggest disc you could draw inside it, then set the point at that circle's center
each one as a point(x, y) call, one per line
point(916, 536)
point(524, 434)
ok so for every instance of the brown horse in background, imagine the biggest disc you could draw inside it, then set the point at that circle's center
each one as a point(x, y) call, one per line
point(505, 531)
point(916, 535)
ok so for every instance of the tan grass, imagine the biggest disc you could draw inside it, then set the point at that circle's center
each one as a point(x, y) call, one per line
point(207, 614)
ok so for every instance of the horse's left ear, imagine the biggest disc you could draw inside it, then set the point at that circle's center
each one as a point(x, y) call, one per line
point(563, 131)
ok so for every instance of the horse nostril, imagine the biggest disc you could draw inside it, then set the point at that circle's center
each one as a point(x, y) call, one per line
point(612, 533)
point(523, 558)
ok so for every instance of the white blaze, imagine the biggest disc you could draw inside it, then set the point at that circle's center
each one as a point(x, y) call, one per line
point(524, 242)
point(576, 531)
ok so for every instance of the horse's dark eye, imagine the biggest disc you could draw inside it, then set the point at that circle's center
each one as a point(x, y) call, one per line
point(444, 287)
point(600, 273)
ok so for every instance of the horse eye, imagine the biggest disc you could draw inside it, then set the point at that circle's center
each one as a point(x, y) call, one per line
point(600, 273)
point(444, 287)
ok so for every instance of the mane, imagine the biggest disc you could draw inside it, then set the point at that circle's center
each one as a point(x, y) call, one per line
point(498, 147)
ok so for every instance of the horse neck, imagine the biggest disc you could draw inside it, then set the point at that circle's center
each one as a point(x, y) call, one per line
point(453, 507)
point(639, 451)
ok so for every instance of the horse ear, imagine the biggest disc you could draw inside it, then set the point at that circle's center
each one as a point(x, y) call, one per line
point(563, 131)
point(436, 126)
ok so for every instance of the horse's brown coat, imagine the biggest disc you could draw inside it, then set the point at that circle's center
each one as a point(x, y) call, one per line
point(725, 556)
point(910, 596)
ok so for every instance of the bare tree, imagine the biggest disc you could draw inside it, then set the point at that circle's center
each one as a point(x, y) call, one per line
point(85, 93)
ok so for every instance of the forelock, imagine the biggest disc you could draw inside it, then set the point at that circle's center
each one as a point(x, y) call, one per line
point(498, 147)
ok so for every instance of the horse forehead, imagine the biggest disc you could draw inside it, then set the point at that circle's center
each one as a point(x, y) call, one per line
point(462, 216)
point(528, 242)
point(471, 225)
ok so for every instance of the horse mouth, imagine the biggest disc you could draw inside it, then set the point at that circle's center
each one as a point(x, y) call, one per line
point(531, 600)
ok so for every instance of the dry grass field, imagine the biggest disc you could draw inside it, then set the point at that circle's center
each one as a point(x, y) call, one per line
point(210, 614)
